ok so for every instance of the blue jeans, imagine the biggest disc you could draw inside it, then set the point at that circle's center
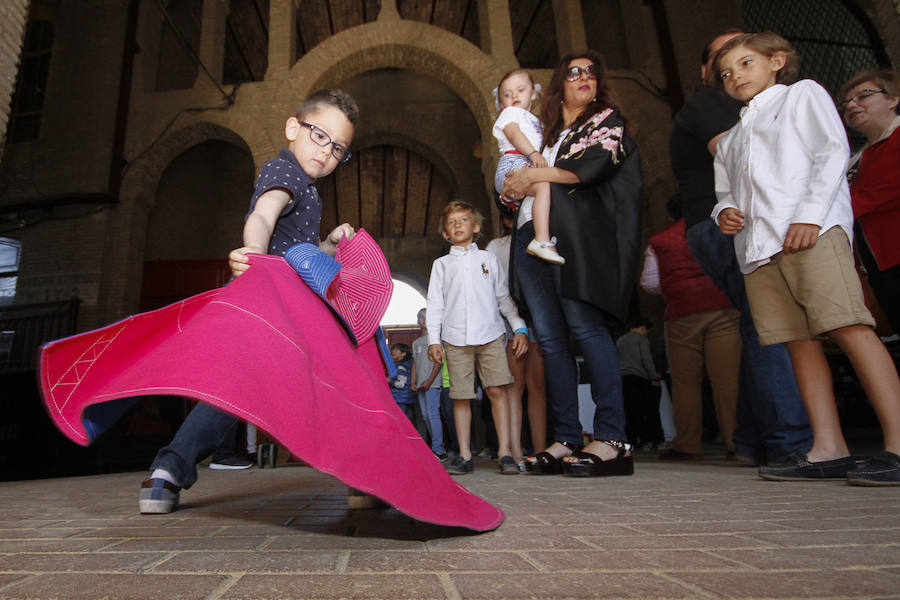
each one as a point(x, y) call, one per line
point(430, 404)
point(555, 318)
point(204, 428)
point(772, 421)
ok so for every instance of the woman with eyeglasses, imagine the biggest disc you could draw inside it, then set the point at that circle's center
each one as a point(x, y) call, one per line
point(594, 172)
point(870, 103)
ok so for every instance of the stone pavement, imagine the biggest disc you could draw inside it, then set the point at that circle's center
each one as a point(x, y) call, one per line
point(698, 530)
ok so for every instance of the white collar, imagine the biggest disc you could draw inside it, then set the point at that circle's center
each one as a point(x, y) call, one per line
point(467, 250)
point(759, 101)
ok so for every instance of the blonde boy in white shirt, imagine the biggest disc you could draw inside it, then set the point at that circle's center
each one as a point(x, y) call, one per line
point(782, 191)
point(465, 299)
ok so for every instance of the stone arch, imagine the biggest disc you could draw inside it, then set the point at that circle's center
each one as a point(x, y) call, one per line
point(142, 176)
point(410, 141)
point(123, 271)
point(886, 20)
point(403, 44)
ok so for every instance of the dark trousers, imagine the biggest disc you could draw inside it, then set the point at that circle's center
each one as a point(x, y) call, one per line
point(642, 422)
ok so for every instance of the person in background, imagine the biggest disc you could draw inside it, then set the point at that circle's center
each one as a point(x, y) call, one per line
point(465, 301)
point(426, 383)
point(640, 385)
point(772, 422)
point(527, 370)
point(701, 335)
point(401, 383)
point(792, 224)
point(870, 103)
point(595, 187)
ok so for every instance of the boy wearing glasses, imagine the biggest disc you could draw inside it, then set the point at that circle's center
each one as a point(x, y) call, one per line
point(285, 210)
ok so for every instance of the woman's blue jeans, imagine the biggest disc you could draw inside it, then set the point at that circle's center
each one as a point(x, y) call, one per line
point(555, 318)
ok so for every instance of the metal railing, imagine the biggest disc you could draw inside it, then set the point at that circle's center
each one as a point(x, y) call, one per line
point(24, 328)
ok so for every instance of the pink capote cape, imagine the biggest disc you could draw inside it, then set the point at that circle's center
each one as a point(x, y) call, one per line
point(266, 349)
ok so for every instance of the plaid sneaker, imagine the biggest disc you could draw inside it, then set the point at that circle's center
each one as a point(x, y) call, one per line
point(158, 496)
point(881, 469)
point(797, 467)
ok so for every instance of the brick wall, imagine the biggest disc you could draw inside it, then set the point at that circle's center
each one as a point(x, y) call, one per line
point(13, 16)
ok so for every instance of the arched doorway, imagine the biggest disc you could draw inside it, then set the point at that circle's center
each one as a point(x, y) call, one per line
point(197, 219)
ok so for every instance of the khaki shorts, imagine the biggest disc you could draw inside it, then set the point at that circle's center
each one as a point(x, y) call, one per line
point(493, 367)
point(803, 295)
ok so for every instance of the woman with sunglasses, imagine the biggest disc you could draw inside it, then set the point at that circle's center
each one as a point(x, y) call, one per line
point(594, 172)
point(870, 103)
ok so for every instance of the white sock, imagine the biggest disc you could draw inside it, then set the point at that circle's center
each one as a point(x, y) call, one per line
point(165, 475)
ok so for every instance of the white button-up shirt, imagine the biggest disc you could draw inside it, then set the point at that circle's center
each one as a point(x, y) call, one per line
point(466, 297)
point(784, 162)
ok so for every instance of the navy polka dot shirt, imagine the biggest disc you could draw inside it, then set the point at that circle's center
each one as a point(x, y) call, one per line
point(300, 219)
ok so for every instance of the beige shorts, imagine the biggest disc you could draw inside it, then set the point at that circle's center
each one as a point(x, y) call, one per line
point(803, 295)
point(493, 367)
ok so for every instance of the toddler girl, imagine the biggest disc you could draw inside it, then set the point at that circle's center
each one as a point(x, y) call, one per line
point(518, 134)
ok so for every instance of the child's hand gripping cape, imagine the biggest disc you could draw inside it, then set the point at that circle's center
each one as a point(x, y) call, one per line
point(269, 349)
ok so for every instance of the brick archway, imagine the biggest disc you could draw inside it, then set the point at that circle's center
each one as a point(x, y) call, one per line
point(401, 44)
point(122, 271)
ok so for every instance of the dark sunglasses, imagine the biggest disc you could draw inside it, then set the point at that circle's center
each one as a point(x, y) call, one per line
point(574, 73)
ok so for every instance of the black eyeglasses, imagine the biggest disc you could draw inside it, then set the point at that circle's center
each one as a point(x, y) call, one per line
point(860, 95)
point(574, 73)
point(321, 138)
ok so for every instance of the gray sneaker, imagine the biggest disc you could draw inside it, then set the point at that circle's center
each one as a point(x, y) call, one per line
point(458, 466)
point(880, 470)
point(508, 466)
point(158, 496)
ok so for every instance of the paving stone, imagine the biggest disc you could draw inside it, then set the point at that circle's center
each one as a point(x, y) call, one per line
point(729, 526)
point(691, 532)
point(88, 586)
point(62, 562)
point(522, 538)
point(148, 531)
point(176, 544)
point(352, 586)
point(626, 560)
point(685, 541)
point(856, 522)
point(437, 562)
point(600, 518)
point(342, 542)
point(555, 586)
point(7, 578)
point(792, 584)
point(250, 562)
point(43, 533)
point(53, 545)
point(848, 537)
point(816, 558)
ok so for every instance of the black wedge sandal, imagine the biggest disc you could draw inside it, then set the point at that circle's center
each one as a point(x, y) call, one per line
point(591, 465)
point(547, 464)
